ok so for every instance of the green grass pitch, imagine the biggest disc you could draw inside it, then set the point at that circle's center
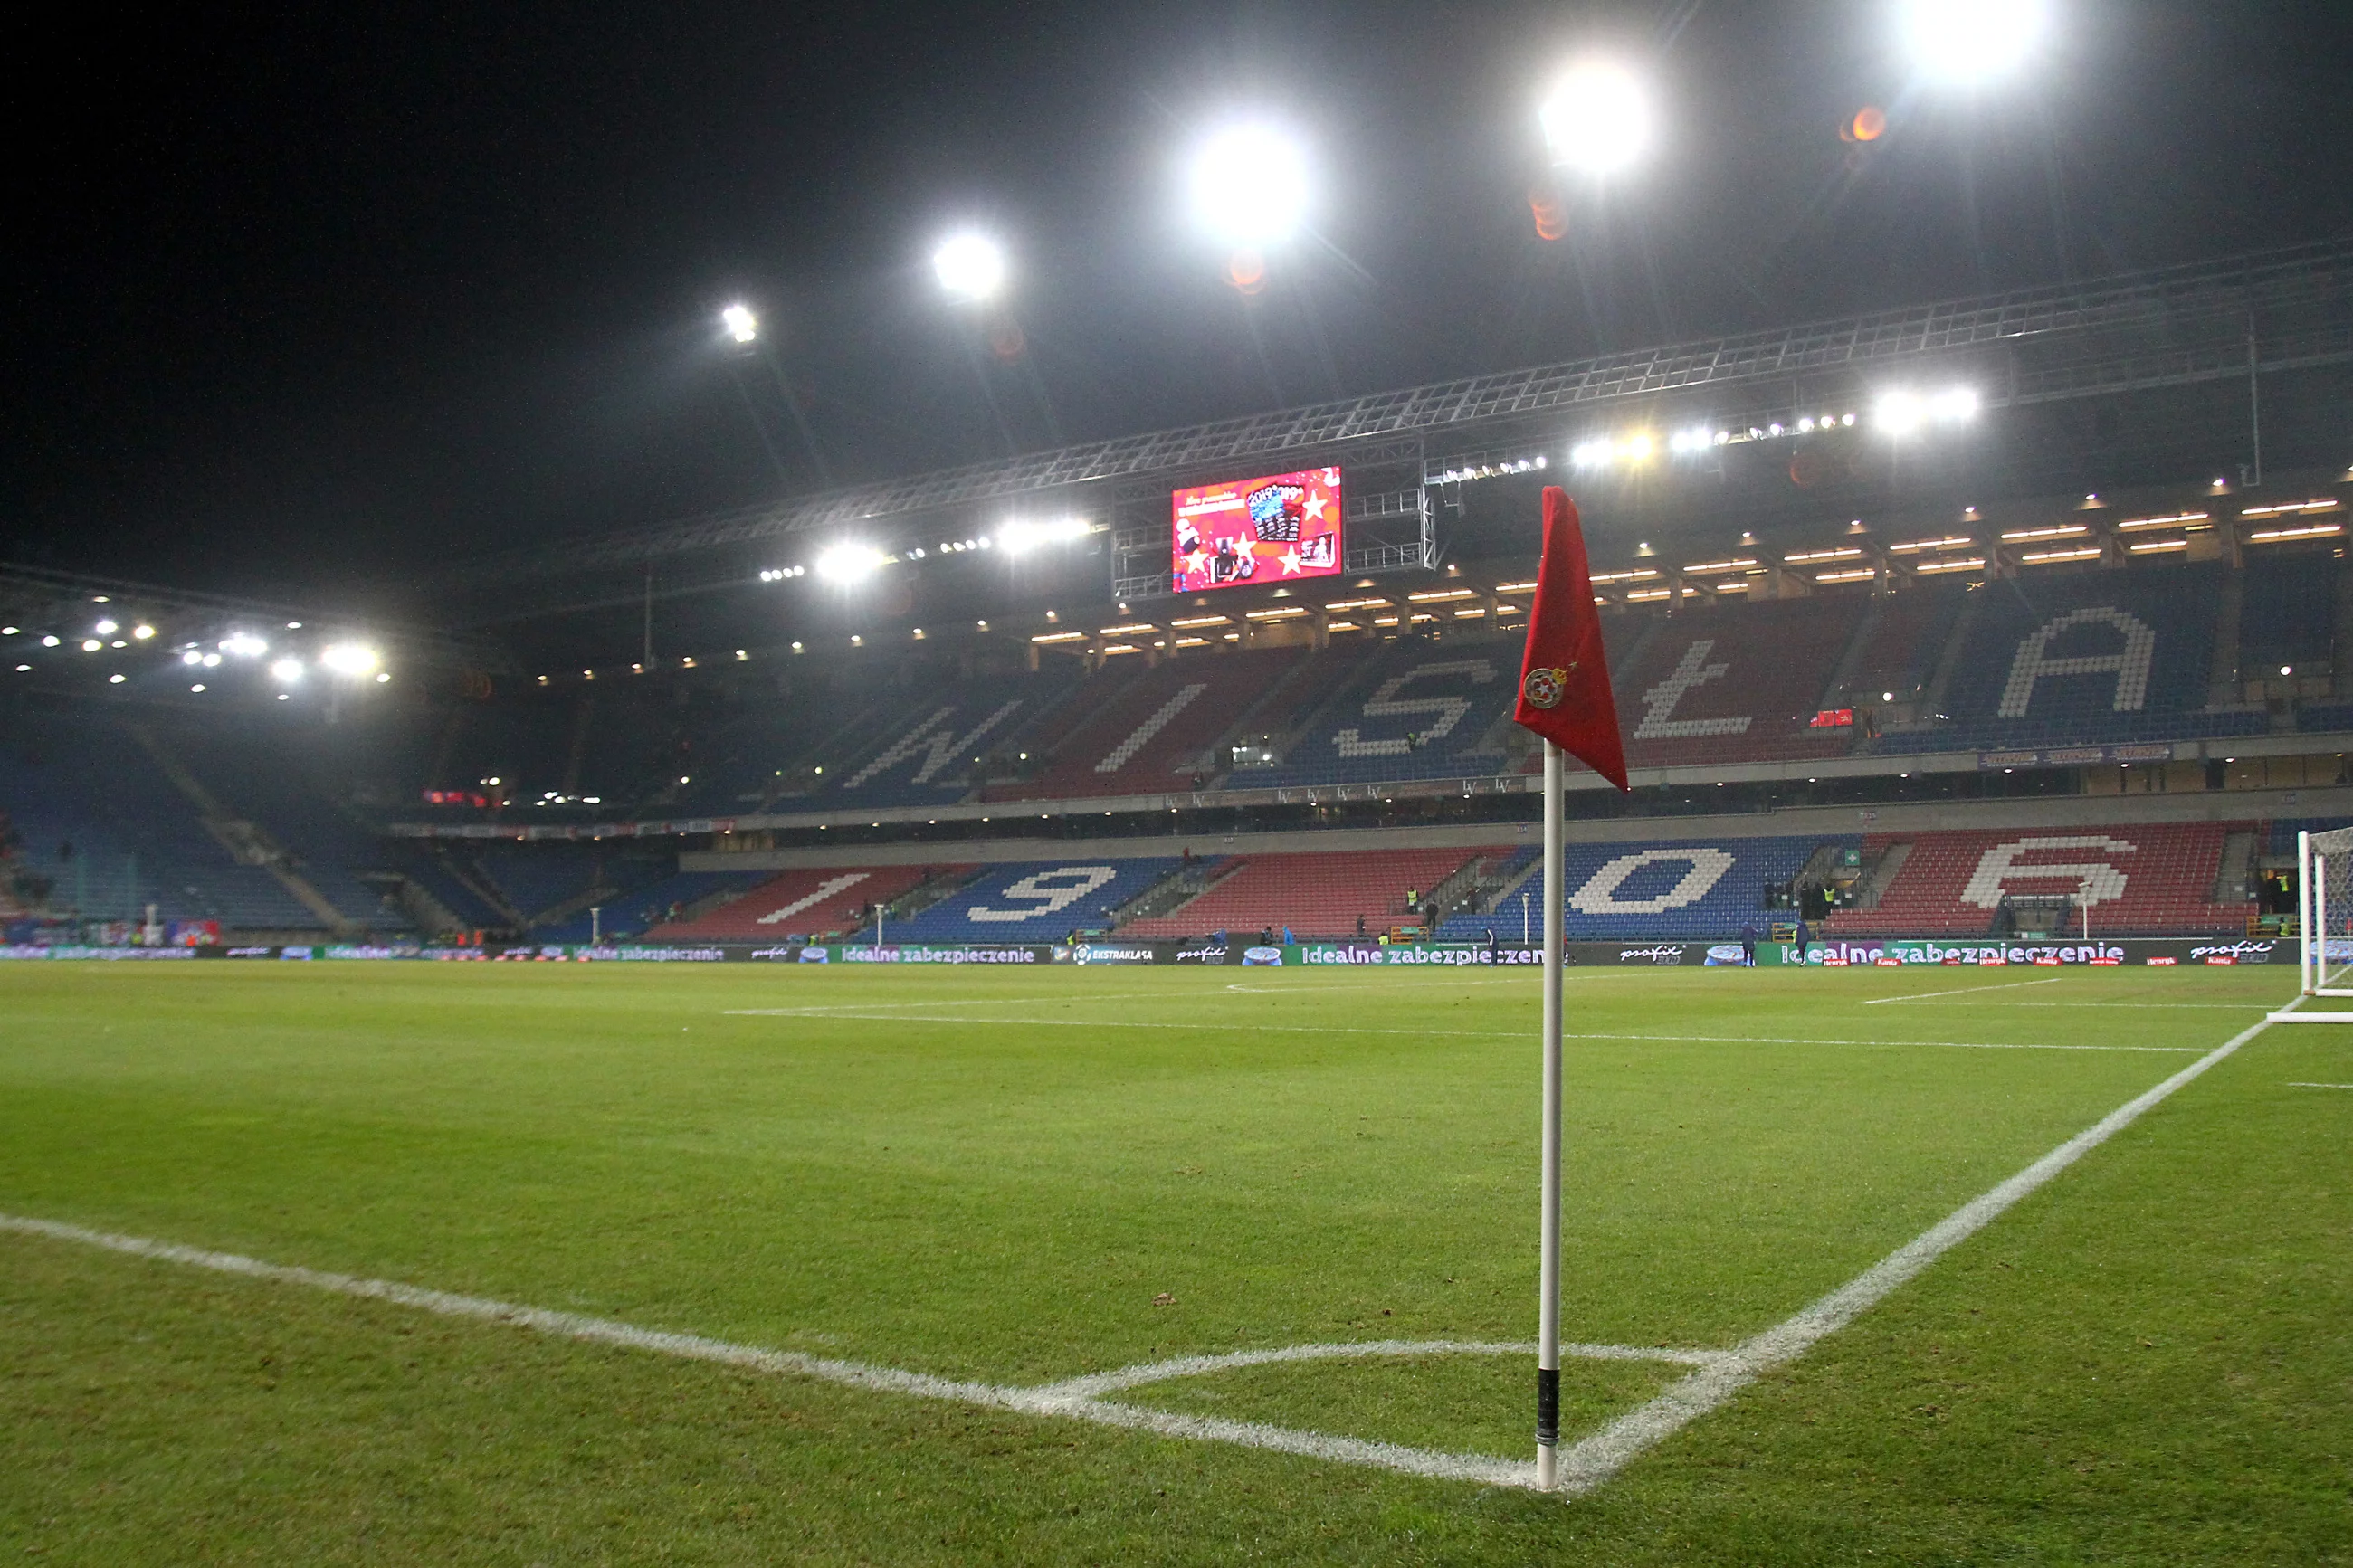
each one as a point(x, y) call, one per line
point(1019, 1177)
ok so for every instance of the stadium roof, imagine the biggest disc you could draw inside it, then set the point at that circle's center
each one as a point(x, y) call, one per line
point(2224, 320)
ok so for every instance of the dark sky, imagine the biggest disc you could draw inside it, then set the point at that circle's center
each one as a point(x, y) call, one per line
point(308, 298)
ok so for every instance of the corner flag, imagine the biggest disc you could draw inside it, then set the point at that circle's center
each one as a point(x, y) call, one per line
point(1564, 676)
point(1565, 698)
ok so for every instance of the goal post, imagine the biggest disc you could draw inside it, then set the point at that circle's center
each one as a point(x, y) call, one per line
point(2324, 895)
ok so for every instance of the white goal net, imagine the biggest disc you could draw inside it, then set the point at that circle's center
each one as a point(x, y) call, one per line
point(2324, 911)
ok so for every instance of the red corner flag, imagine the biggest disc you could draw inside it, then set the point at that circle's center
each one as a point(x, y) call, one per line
point(1564, 676)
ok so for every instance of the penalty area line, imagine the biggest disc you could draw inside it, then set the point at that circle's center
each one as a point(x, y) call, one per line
point(1253, 1026)
point(1963, 991)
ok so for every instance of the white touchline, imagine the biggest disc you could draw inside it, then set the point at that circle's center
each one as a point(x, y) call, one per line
point(2294, 1085)
point(1585, 1465)
point(1964, 991)
point(1257, 1027)
point(1592, 1460)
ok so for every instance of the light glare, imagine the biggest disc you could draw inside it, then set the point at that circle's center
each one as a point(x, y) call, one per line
point(1595, 118)
point(1249, 185)
point(740, 323)
point(287, 671)
point(350, 658)
point(849, 563)
point(970, 266)
point(1971, 41)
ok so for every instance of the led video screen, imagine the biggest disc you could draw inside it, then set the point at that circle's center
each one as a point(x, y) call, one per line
point(1267, 530)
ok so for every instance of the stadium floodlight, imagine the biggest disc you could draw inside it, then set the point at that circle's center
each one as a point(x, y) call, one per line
point(243, 645)
point(1595, 118)
point(287, 671)
point(92, 645)
point(970, 266)
point(1903, 411)
point(850, 563)
point(192, 656)
point(48, 642)
point(1249, 185)
point(739, 323)
point(1968, 42)
point(350, 658)
point(106, 628)
point(142, 632)
point(1022, 535)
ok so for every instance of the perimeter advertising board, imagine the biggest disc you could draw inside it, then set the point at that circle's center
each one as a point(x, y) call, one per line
point(1267, 530)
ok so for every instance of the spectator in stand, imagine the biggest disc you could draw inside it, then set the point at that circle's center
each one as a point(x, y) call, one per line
point(1360, 926)
point(1266, 936)
point(1289, 940)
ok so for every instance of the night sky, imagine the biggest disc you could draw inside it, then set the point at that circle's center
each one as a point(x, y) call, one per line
point(313, 299)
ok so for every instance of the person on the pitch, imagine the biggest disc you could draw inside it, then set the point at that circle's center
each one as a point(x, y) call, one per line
point(1748, 944)
point(1805, 939)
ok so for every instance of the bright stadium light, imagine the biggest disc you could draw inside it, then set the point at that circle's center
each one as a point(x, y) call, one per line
point(1249, 185)
point(243, 645)
point(739, 323)
point(850, 563)
point(1021, 534)
point(287, 671)
point(350, 658)
point(1595, 118)
point(1902, 412)
point(970, 266)
point(1966, 42)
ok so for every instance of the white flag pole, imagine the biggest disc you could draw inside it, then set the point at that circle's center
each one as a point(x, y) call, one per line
point(1548, 1266)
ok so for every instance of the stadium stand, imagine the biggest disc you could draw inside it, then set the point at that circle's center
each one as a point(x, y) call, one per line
point(1152, 733)
point(2150, 878)
point(1737, 683)
point(1680, 890)
point(2094, 658)
point(1900, 641)
point(817, 903)
point(2291, 615)
point(1414, 709)
point(113, 834)
point(926, 746)
point(643, 908)
point(1315, 895)
point(1042, 900)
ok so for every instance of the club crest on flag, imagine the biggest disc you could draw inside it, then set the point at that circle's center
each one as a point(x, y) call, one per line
point(1545, 688)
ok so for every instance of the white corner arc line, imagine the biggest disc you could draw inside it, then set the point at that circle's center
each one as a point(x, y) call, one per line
point(1146, 1373)
point(1593, 1460)
point(1963, 991)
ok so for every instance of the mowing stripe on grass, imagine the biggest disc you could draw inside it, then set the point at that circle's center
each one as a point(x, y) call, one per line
point(1593, 1460)
point(1256, 1028)
point(1585, 1465)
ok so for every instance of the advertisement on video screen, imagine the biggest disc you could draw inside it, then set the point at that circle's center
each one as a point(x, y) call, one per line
point(1261, 530)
